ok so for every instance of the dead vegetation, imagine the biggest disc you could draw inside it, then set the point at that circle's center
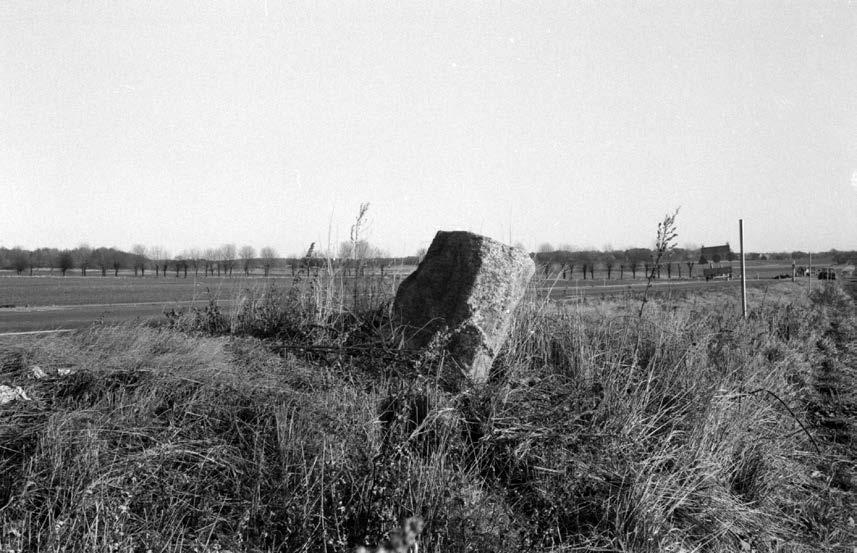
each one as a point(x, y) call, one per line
point(686, 429)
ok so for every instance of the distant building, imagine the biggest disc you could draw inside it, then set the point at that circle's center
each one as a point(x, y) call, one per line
point(715, 254)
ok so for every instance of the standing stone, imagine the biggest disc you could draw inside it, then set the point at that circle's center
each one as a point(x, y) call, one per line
point(464, 293)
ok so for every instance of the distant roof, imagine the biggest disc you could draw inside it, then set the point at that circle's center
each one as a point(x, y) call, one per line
point(711, 251)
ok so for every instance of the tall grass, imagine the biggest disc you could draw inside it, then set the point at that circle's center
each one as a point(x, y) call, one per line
point(684, 429)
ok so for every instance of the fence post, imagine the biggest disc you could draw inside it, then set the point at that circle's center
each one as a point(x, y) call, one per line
point(743, 269)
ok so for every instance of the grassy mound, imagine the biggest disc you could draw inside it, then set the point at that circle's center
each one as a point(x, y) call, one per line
point(686, 429)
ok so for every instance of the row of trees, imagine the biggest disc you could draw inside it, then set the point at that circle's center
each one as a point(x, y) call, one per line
point(681, 261)
point(565, 263)
point(221, 261)
point(353, 257)
point(227, 260)
point(83, 257)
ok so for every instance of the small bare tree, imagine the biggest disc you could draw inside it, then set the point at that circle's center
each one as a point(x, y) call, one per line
point(193, 256)
point(609, 262)
point(665, 243)
point(155, 253)
point(20, 261)
point(65, 261)
point(247, 254)
point(227, 255)
point(139, 251)
point(103, 260)
point(84, 258)
point(268, 255)
point(209, 261)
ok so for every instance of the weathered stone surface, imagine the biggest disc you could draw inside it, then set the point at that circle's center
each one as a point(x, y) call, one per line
point(467, 286)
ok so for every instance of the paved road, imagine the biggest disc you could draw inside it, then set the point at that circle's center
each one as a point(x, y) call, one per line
point(79, 316)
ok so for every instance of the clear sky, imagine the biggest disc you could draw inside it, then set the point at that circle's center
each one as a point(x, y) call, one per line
point(187, 124)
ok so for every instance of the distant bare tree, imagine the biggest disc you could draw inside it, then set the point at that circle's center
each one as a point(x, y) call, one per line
point(103, 259)
point(360, 253)
point(268, 255)
point(545, 247)
point(65, 261)
point(246, 254)
point(211, 258)
point(609, 262)
point(42, 257)
point(154, 253)
point(194, 256)
point(346, 250)
point(227, 255)
point(160, 259)
point(139, 252)
point(166, 258)
point(84, 258)
point(20, 261)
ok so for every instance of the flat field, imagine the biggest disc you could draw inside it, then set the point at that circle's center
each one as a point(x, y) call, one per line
point(41, 303)
point(45, 290)
point(65, 291)
point(50, 302)
point(55, 290)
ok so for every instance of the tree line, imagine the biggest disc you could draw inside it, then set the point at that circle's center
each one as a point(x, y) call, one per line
point(356, 257)
point(226, 260)
point(566, 264)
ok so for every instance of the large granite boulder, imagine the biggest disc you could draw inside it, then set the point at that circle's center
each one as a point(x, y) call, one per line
point(463, 294)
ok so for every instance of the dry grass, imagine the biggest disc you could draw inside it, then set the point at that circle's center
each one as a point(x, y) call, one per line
point(599, 431)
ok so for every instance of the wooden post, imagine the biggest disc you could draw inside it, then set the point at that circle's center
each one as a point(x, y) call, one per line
point(743, 269)
point(809, 276)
